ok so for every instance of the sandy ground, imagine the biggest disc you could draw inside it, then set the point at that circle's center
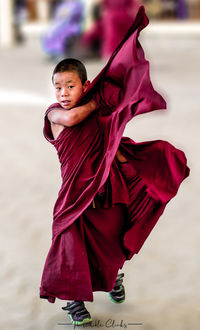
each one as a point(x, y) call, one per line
point(162, 281)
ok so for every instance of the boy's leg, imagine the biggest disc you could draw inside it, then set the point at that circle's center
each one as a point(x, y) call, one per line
point(117, 295)
point(104, 230)
point(85, 258)
point(66, 273)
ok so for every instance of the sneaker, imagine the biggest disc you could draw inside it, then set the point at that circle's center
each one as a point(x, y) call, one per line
point(117, 295)
point(77, 312)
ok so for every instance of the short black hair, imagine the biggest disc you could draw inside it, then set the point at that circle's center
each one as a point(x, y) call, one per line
point(74, 65)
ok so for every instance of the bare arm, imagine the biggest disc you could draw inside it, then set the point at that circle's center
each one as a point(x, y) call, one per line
point(72, 117)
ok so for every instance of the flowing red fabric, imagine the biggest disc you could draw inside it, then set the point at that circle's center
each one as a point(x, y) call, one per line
point(135, 193)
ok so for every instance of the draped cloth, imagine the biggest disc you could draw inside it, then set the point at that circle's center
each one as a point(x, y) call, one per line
point(89, 244)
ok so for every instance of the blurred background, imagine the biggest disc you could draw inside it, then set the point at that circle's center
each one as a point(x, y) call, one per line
point(162, 281)
point(91, 27)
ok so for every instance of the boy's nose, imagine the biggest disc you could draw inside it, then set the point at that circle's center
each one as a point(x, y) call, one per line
point(64, 92)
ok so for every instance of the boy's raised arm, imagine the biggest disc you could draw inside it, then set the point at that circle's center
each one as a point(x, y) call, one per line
point(72, 117)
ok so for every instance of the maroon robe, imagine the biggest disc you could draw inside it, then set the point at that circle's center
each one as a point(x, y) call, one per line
point(89, 244)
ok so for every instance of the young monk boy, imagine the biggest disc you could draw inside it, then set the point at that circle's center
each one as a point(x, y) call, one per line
point(113, 190)
point(70, 83)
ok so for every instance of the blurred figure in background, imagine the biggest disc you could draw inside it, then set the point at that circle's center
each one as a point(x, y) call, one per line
point(93, 38)
point(20, 15)
point(64, 30)
point(175, 9)
point(118, 15)
point(182, 9)
point(112, 19)
point(53, 5)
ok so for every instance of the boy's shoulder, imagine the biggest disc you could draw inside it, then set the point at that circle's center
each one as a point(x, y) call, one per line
point(53, 106)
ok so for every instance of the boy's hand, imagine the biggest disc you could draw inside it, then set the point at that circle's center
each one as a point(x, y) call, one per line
point(73, 116)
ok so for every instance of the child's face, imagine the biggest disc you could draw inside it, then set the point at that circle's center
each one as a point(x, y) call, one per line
point(69, 88)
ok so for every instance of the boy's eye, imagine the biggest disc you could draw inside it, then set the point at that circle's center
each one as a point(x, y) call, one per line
point(70, 87)
point(58, 88)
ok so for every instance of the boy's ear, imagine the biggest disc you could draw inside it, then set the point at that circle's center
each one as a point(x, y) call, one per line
point(86, 85)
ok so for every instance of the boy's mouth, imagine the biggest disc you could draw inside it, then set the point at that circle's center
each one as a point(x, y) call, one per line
point(65, 103)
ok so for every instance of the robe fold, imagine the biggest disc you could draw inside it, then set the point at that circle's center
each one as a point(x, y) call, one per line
point(89, 244)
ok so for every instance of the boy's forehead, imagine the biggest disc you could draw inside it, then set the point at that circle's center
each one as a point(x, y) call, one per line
point(66, 77)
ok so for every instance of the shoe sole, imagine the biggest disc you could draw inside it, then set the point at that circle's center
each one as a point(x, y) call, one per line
point(86, 320)
point(113, 300)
